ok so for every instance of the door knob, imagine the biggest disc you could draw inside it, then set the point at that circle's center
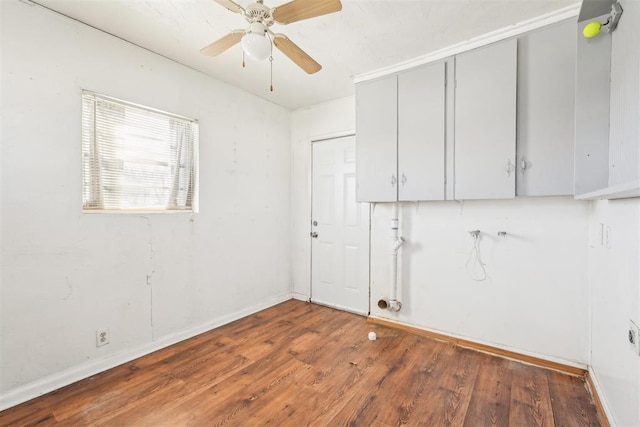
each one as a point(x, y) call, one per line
point(314, 234)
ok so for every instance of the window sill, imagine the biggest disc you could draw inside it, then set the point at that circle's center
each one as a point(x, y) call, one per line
point(137, 211)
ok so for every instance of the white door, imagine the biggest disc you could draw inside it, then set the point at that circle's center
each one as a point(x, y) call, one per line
point(339, 229)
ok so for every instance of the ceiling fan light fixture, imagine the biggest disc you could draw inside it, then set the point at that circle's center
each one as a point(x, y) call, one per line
point(255, 43)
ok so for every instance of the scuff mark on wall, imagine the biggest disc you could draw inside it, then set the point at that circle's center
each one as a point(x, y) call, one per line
point(69, 289)
point(150, 272)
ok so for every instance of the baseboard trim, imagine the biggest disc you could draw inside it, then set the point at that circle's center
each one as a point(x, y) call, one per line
point(53, 382)
point(485, 348)
point(300, 296)
point(603, 413)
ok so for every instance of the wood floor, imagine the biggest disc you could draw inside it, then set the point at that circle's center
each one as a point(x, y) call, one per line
point(299, 364)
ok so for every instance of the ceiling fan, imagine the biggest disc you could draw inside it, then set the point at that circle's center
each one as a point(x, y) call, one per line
point(258, 38)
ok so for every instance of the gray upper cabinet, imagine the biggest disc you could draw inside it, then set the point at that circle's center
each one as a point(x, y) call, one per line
point(546, 111)
point(377, 140)
point(505, 128)
point(485, 122)
point(400, 136)
point(421, 133)
point(593, 97)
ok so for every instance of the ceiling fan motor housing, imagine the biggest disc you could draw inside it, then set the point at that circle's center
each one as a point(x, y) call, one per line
point(258, 12)
point(257, 28)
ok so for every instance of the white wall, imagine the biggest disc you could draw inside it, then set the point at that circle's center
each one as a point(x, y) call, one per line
point(536, 299)
point(614, 272)
point(615, 262)
point(151, 279)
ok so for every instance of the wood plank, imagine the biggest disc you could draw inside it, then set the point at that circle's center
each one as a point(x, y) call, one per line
point(530, 400)
point(236, 397)
point(446, 402)
point(359, 410)
point(148, 405)
point(570, 406)
point(405, 388)
point(302, 364)
point(318, 384)
point(490, 402)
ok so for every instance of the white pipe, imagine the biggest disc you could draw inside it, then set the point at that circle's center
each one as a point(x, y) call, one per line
point(392, 302)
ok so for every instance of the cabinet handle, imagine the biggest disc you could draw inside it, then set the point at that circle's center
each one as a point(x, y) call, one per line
point(393, 179)
point(510, 167)
point(523, 165)
point(404, 179)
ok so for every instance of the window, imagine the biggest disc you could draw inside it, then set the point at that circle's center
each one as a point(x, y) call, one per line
point(136, 158)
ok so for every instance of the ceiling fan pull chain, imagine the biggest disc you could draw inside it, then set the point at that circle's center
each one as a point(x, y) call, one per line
point(271, 65)
point(243, 58)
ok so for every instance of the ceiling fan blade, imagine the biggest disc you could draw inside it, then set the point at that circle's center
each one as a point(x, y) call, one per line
point(220, 45)
point(297, 10)
point(231, 5)
point(297, 55)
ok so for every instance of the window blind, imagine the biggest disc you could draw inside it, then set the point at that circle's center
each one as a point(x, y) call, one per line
point(136, 158)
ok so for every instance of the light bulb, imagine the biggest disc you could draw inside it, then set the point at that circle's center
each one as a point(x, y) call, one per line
point(256, 46)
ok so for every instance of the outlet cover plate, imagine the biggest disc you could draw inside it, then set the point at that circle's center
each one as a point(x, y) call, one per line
point(102, 337)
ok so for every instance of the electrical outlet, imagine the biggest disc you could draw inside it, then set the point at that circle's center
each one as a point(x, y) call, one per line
point(633, 336)
point(102, 337)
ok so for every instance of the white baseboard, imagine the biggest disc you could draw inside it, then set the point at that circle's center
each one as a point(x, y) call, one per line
point(85, 370)
point(300, 296)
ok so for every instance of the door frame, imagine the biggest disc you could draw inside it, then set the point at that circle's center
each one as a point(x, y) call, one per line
point(319, 139)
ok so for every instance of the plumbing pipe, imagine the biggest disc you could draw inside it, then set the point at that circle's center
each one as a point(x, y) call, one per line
point(392, 302)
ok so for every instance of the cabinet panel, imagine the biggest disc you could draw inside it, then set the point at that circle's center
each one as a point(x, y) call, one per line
point(546, 111)
point(592, 111)
point(485, 122)
point(421, 133)
point(376, 140)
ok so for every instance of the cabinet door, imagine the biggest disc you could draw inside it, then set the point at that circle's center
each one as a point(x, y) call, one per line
point(485, 122)
point(377, 140)
point(421, 143)
point(546, 111)
point(593, 111)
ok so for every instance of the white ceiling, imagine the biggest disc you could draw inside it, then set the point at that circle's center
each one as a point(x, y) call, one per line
point(364, 36)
